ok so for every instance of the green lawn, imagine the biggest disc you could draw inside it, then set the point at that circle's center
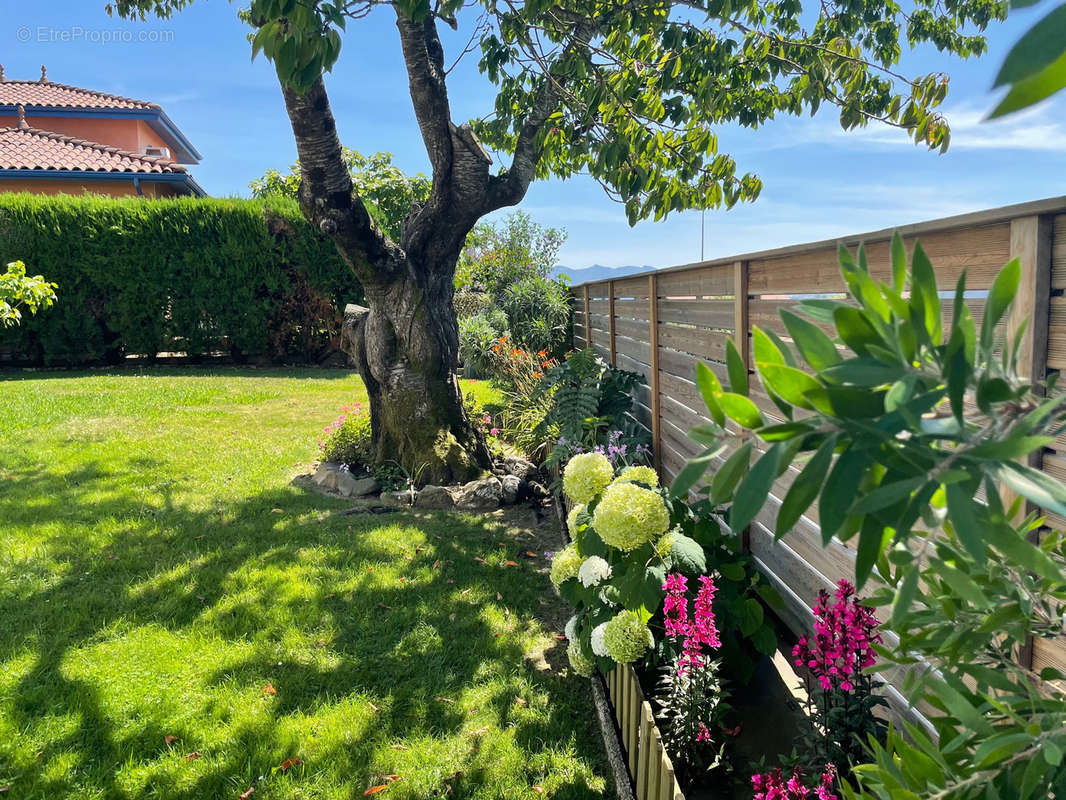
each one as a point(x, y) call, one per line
point(161, 577)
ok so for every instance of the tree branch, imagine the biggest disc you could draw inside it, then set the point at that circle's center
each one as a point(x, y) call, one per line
point(509, 187)
point(424, 58)
point(327, 197)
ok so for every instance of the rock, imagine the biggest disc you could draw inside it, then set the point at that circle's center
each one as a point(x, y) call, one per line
point(480, 495)
point(361, 487)
point(396, 499)
point(326, 475)
point(536, 490)
point(434, 497)
point(511, 487)
point(520, 468)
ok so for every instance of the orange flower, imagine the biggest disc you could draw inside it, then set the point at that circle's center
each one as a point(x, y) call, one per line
point(503, 338)
point(542, 353)
point(538, 374)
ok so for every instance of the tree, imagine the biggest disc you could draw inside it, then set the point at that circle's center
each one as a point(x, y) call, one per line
point(384, 189)
point(21, 291)
point(497, 256)
point(627, 92)
point(1035, 68)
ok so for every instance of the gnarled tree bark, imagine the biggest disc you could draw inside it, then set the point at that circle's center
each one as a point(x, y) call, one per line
point(406, 346)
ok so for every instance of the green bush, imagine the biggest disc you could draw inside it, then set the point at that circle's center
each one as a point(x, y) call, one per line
point(477, 335)
point(249, 277)
point(538, 312)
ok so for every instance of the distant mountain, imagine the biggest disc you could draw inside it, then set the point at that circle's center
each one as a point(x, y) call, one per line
point(598, 272)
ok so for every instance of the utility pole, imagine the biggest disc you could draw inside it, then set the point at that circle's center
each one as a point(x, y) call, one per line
point(703, 226)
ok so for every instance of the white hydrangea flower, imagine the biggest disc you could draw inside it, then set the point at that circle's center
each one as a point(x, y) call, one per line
point(598, 646)
point(593, 571)
point(571, 628)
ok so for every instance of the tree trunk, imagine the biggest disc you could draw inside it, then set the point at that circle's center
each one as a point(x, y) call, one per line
point(406, 348)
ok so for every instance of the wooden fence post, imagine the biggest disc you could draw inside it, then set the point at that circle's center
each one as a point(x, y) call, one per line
point(740, 338)
point(1030, 243)
point(653, 340)
point(610, 319)
point(740, 309)
point(588, 319)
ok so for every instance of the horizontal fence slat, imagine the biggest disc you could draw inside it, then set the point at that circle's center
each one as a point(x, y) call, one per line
point(714, 281)
point(700, 342)
point(708, 313)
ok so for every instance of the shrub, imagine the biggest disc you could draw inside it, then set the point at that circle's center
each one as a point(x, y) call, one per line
point(477, 336)
point(347, 439)
point(249, 277)
point(499, 255)
point(589, 408)
point(19, 290)
point(468, 303)
point(897, 458)
point(616, 590)
point(538, 315)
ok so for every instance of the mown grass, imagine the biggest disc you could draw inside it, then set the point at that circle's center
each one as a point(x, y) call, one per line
point(177, 620)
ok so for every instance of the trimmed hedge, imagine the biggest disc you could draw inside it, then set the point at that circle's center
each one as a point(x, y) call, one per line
point(248, 277)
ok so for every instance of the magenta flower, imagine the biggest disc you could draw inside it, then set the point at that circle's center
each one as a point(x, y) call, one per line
point(773, 786)
point(698, 632)
point(494, 432)
point(844, 635)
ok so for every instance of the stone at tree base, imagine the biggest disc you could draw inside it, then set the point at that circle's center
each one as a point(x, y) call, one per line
point(396, 499)
point(480, 495)
point(510, 487)
point(361, 487)
point(537, 490)
point(326, 475)
point(434, 498)
point(519, 467)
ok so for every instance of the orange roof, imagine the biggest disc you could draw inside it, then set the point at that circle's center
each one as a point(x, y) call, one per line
point(29, 148)
point(38, 94)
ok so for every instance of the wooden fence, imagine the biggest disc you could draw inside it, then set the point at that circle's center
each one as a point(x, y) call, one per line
point(661, 324)
point(646, 758)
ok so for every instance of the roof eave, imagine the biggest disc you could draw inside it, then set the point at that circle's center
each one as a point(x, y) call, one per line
point(182, 178)
point(156, 118)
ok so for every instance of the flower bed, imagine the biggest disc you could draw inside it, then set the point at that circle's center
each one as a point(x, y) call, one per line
point(773, 709)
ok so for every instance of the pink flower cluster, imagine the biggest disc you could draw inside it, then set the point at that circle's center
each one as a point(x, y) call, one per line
point(844, 635)
point(335, 426)
point(698, 632)
point(484, 424)
point(773, 786)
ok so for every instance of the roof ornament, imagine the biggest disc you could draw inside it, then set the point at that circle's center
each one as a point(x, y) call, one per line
point(22, 117)
point(3, 77)
point(44, 74)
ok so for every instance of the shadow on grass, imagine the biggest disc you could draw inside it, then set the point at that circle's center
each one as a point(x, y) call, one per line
point(256, 580)
point(8, 374)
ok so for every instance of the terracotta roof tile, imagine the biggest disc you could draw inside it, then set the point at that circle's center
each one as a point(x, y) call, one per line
point(37, 94)
point(29, 148)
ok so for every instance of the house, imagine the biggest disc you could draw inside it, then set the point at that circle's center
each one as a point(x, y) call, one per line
point(56, 139)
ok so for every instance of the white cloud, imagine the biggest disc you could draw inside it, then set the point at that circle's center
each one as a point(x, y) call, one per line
point(1041, 129)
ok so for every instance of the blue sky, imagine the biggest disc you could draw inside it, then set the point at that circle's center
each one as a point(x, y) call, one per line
point(819, 181)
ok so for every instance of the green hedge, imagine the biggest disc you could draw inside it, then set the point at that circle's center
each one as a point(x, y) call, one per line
point(249, 277)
